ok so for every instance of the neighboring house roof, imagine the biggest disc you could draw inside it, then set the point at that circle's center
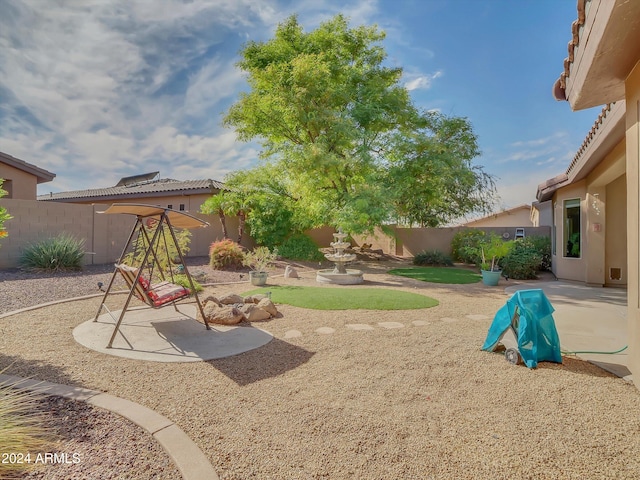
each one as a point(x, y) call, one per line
point(509, 211)
point(41, 174)
point(155, 188)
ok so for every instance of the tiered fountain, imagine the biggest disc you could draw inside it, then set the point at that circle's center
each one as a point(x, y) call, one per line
point(340, 275)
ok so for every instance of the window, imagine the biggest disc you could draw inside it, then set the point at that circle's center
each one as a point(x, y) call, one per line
point(572, 228)
point(170, 205)
point(182, 207)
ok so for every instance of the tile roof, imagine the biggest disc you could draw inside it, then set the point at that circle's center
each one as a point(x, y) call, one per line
point(41, 174)
point(561, 84)
point(162, 187)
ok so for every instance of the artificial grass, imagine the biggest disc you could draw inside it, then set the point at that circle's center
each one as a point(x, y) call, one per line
point(451, 275)
point(346, 298)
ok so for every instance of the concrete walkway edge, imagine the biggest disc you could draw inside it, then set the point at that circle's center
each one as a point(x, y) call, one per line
point(185, 454)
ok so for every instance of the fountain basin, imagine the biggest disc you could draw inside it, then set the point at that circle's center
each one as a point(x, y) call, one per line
point(331, 276)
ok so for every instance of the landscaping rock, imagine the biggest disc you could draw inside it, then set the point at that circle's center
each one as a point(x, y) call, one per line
point(290, 272)
point(255, 298)
point(210, 298)
point(254, 313)
point(231, 299)
point(267, 304)
point(225, 315)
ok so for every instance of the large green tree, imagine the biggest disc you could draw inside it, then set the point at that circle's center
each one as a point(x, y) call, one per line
point(337, 124)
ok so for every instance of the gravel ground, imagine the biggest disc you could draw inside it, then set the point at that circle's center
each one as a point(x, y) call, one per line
point(411, 397)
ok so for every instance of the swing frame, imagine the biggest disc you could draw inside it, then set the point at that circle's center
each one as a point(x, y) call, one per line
point(163, 216)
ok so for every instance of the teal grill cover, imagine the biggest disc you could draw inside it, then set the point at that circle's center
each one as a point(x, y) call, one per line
point(535, 329)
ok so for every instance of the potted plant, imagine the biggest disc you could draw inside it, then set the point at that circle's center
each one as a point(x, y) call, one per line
point(258, 260)
point(493, 248)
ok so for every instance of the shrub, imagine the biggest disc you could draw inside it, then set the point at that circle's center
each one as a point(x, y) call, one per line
point(4, 216)
point(300, 247)
point(225, 254)
point(165, 248)
point(21, 429)
point(260, 258)
point(182, 280)
point(63, 252)
point(543, 247)
point(465, 245)
point(522, 262)
point(432, 258)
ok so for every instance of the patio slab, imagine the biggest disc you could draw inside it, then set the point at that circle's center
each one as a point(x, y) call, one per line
point(589, 320)
point(167, 335)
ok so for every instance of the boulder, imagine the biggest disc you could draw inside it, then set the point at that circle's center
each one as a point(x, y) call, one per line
point(254, 298)
point(230, 299)
point(225, 315)
point(267, 304)
point(290, 272)
point(210, 298)
point(254, 313)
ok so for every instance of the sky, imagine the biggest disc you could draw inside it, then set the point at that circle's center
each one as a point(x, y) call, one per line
point(97, 90)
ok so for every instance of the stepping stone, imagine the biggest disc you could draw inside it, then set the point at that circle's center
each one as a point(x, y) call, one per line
point(292, 334)
point(420, 323)
point(390, 325)
point(359, 326)
point(326, 330)
point(449, 319)
point(478, 317)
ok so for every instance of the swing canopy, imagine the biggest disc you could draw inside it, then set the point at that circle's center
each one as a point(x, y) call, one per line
point(177, 219)
point(159, 222)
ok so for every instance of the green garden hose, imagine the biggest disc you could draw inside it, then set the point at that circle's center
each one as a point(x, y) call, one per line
point(593, 351)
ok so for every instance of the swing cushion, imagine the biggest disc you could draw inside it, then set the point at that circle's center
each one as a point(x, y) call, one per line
point(155, 295)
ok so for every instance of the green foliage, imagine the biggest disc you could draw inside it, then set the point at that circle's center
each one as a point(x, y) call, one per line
point(438, 274)
point(182, 280)
point(522, 262)
point(341, 131)
point(4, 215)
point(22, 429)
point(542, 245)
point(323, 298)
point(465, 245)
point(166, 251)
point(260, 258)
point(432, 258)
point(225, 255)
point(492, 249)
point(300, 247)
point(63, 252)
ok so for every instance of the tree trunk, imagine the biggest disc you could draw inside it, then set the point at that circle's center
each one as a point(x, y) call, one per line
point(241, 219)
point(223, 222)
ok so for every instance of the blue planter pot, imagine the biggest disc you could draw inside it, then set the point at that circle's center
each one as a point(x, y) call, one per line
point(491, 278)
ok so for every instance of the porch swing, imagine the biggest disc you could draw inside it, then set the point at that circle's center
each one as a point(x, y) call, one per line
point(159, 221)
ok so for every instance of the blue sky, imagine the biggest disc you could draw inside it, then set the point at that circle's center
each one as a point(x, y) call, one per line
point(101, 89)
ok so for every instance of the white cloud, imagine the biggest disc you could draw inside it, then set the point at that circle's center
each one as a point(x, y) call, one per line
point(421, 82)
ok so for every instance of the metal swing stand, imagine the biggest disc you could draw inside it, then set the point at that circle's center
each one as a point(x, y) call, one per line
point(165, 293)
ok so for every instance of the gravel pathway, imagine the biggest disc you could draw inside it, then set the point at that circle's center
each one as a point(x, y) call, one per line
point(362, 394)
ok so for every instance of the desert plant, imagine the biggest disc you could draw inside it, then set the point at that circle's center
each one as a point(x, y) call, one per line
point(465, 245)
point(225, 254)
point(63, 252)
point(4, 216)
point(182, 280)
point(492, 249)
point(432, 258)
point(522, 261)
point(300, 247)
point(542, 246)
point(21, 430)
point(260, 258)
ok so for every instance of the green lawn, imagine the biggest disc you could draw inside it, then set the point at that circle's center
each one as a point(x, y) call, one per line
point(439, 274)
point(346, 298)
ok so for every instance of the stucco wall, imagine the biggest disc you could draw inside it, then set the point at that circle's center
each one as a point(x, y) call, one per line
point(104, 235)
point(565, 267)
point(632, 89)
point(616, 231)
point(518, 218)
point(22, 185)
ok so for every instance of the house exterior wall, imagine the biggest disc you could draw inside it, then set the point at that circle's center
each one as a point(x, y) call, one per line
point(18, 183)
point(104, 235)
point(616, 231)
point(632, 93)
point(517, 218)
point(541, 214)
point(565, 267)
